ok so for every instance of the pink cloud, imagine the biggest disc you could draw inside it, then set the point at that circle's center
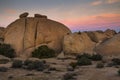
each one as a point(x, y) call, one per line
point(99, 2)
point(96, 21)
point(96, 3)
point(112, 1)
point(10, 11)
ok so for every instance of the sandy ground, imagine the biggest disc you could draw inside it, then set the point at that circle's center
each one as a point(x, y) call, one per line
point(82, 72)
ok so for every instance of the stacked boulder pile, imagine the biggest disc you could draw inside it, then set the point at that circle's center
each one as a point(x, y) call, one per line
point(28, 33)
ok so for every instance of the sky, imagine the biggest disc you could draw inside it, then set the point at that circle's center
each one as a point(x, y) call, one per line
point(78, 15)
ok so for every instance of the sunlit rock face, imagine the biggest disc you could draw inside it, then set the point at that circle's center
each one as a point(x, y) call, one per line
point(85, 42)
point(27, 33)
point(78, 43)
point(110, 47)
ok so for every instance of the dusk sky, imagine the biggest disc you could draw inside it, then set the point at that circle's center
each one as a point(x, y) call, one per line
point(78, 15)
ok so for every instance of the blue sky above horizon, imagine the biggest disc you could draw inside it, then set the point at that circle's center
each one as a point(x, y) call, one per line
point(78, 15)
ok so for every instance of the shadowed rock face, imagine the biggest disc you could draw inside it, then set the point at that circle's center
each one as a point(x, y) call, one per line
point(2, 30)
point(26, 34)
point(109, 47)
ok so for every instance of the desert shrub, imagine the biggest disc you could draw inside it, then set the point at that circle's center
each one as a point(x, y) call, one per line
point(96, 57)
point(43, 52)
point(3, 69)
point(84, 61)
point(73, 65)
point(83, 55)
point(7, 50)
point(17, 64)
point(68, 76)
point(100, 65)
point(37, 65)
point(119, 72)
point(116, 61)
point(27, 62)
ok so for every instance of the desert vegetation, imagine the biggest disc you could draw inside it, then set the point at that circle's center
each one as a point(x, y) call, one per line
point(7, 50)
point(43, 52)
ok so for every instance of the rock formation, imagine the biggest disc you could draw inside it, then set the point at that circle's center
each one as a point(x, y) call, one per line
point(2, 30)
point(110, 47)
point(24, 15)
point(40, 16)
point(26, 34)
point(99, 36)
point(85, 42)
point(78, 43)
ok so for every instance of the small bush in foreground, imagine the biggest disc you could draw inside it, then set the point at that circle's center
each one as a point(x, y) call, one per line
point(7, 50)
point(37, 65)
point(17, 64)
point(73, 65)
point(119, 72)
point(100, 65)
point(43, 52)
point(116, 61)
point(83, 55)
point(84, 61)
point(96, 57)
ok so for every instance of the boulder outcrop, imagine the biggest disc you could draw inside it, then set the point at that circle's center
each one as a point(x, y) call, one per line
point(24, 15)
point(110, 47)
point(40, 16)
point(2, 30)
point(26, 34)
point(78, 43)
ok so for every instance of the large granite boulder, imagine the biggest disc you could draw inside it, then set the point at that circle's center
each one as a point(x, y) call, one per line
point(110, 47)
point(26, 34)
point(78, 43)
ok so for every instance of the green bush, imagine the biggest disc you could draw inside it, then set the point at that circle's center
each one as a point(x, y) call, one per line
point(43, 52)
point(17, 64)
point(119, 72)
point(100, 65)
point(116, 61)
point(7, 50)
point(84, 61)
point(83, 55)
point(37, 65)
point(96, 57)
point(73, 65)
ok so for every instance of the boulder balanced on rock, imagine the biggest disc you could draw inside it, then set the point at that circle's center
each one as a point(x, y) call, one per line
point(40, 16)
point(24, 15)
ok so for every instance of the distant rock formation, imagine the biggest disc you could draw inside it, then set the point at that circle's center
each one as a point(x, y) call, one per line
point(24, 15)
point(110, 47)
point(77, 44)
point(110, 33)
point(85, 42)
point(26, 34)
